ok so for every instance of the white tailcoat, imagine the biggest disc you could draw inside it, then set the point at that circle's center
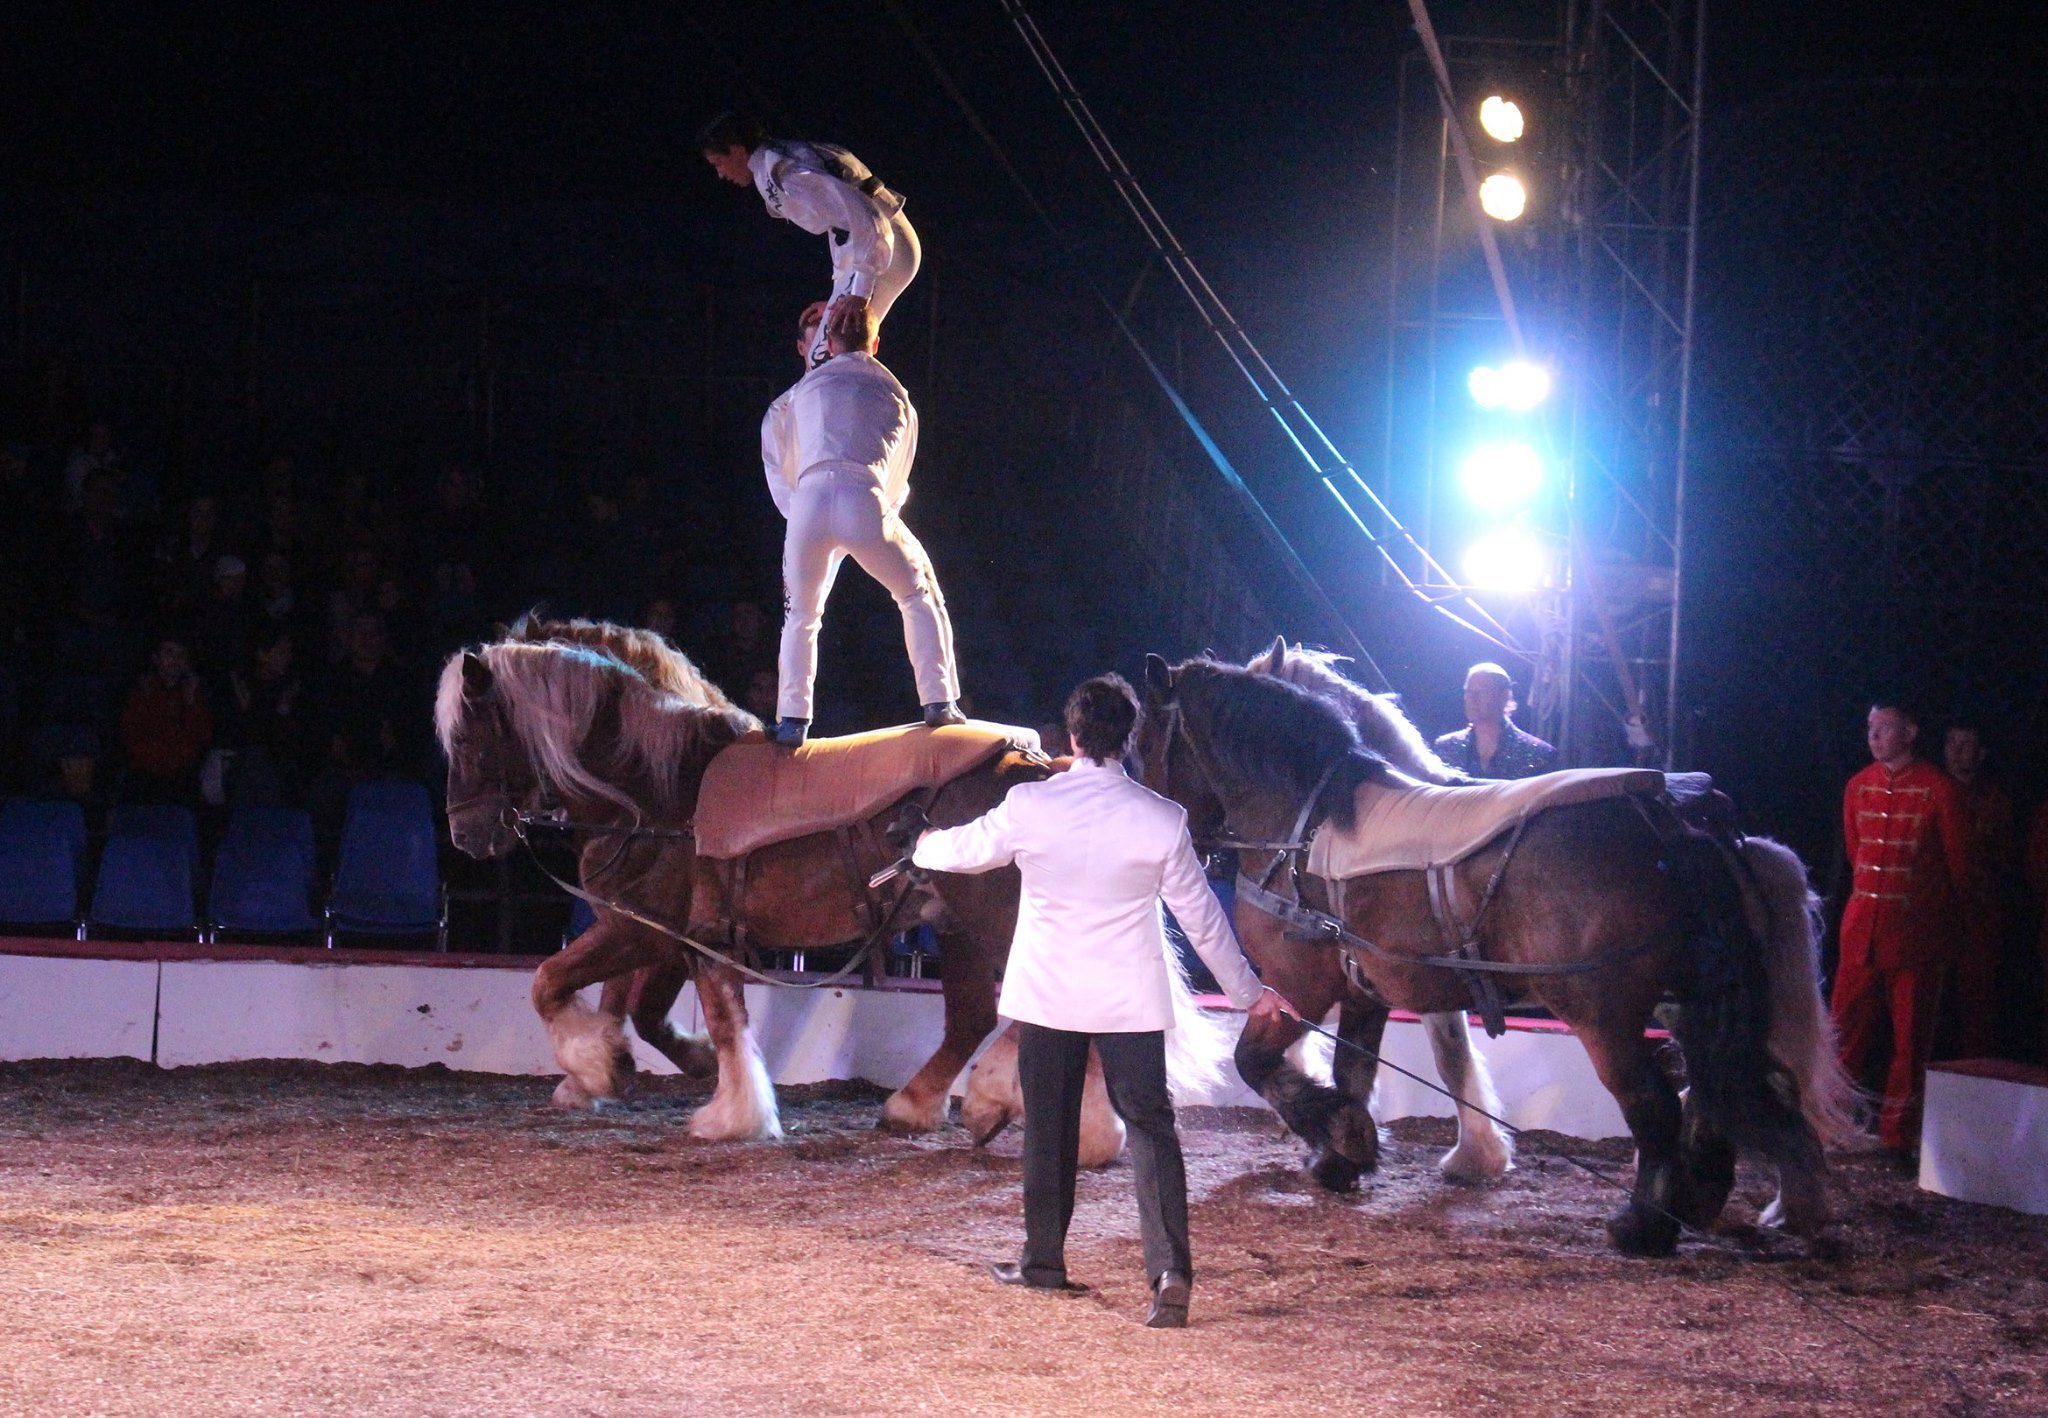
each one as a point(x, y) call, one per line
point(1097, 852)
point(836, 449)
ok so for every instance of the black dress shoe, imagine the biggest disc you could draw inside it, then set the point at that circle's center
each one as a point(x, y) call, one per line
point(1169, 1302)
point(1009, 1272)
point(937, 716)
point(790, 733)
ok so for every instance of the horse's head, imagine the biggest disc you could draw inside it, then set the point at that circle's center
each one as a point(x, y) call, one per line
point(489, 778)
point(1165, 763)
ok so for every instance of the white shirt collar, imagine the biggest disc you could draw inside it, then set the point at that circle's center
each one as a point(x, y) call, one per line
point(1084, 764)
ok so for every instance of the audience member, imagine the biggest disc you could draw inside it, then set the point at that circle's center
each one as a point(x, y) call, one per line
point(224, 623)
point(266, 716)
point(370, 714)
point(166, 728)
point(1991, 847)
point(1490, 745)
point(1907, 840)
point(95, 454)
point(189, 559)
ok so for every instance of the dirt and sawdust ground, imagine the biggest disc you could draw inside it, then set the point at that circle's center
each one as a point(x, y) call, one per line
point(303, 1239)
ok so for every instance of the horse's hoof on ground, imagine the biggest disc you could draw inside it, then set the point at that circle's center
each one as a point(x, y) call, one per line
point(1333, 1171)
point(899, 1115)
point(569, 1094)
point(1356, 1136)
point(1639, 1233)
point(1808, 1220)
point(983, 1124)
point(1473, 1167)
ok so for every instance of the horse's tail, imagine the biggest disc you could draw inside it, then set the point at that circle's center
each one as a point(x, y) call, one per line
point(1802, 1038)
point(1725, 1015)
point(1198, 1047)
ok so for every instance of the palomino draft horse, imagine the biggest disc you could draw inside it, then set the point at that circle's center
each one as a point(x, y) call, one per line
point(623, 753)
point(1589, 883)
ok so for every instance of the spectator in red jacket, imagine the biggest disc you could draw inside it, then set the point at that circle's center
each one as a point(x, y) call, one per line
point(166, 728)
point(1993, 841)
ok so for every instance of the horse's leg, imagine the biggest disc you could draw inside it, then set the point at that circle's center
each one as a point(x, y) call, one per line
point(1706, 1170)
point(650, 995)
point(1361, 1023)
point(742, 1106)
point(589, 1044)
point(1626, 1063)
point(1483, 1151)
point(1338, 1127)
point(969, 985)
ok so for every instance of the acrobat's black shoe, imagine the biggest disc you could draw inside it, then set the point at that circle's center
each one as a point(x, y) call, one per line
point(939, 715)
point(790, 733)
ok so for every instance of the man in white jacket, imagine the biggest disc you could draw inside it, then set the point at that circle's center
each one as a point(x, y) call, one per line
point(1088, 965)
point(836, 448)
point(830, 193)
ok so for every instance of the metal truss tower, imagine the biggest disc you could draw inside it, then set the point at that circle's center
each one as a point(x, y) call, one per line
point(1634, 75)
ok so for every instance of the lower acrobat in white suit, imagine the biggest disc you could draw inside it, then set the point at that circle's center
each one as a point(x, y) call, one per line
point(837, 448)
point(830, 193)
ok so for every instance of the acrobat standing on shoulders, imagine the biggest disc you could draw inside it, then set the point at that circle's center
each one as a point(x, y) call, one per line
point(837, 448)
point(830, 193)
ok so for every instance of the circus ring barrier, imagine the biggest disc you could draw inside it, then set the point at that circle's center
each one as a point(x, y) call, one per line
point(176, 1004)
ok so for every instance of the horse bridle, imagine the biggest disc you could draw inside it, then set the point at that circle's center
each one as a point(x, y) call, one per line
point(1297, 840)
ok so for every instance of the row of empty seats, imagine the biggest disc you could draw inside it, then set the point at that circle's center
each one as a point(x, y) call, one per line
point(387, 882)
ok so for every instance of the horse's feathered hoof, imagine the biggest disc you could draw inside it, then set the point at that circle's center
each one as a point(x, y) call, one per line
point(1333, 1171)
point(1642, 1233)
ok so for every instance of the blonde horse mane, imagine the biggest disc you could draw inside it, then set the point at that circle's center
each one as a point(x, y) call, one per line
point(554, 690)
point(646, 652)
point(1381, 724)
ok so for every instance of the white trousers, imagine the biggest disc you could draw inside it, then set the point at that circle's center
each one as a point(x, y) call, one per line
point(834, 513)
point(904, 257)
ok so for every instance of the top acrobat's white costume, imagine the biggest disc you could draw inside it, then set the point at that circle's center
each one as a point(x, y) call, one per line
point(829, 192)
point(837, 447)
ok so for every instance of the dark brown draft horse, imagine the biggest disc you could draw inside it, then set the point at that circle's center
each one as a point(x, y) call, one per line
point(619, 750)
point(1587, 882)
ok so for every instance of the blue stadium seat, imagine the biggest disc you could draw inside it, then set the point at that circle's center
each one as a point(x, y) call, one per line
point(263, 874)
point(389, 879)
point(175, 825)
point(42, 862)
point(581, 919)
point(145, 884)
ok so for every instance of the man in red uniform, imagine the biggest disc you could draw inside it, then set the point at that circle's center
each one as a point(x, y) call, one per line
point(1988, 828)
point(1905, 833)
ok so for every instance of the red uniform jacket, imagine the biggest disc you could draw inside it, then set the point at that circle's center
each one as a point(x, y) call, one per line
point(1909, 848)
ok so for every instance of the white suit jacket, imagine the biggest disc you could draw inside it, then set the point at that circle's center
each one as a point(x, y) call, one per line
point(848, 412)
point(1097, 853)
point(796, 185)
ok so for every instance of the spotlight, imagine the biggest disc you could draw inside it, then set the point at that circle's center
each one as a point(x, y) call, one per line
point(1500, 477)
point(1507, 560)
point(1503, 197)
point(1519, 385)
point(1501, 118)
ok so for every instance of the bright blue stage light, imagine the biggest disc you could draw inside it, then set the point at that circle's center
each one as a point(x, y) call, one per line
point(1507, 560)
point(1500, 477)
point(1519, 385)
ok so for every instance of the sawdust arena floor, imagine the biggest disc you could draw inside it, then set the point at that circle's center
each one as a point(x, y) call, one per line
point(287, 1238)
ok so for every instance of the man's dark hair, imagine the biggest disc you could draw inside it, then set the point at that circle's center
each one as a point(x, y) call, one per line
point(1898, 706)
point(731, 130)
point(1102, 717)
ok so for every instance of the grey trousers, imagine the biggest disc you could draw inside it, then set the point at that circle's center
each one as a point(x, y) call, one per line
point(1052, 1065)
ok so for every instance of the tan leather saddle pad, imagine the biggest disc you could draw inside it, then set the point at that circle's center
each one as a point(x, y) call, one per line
point(755, 794)
point(1415, 828)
